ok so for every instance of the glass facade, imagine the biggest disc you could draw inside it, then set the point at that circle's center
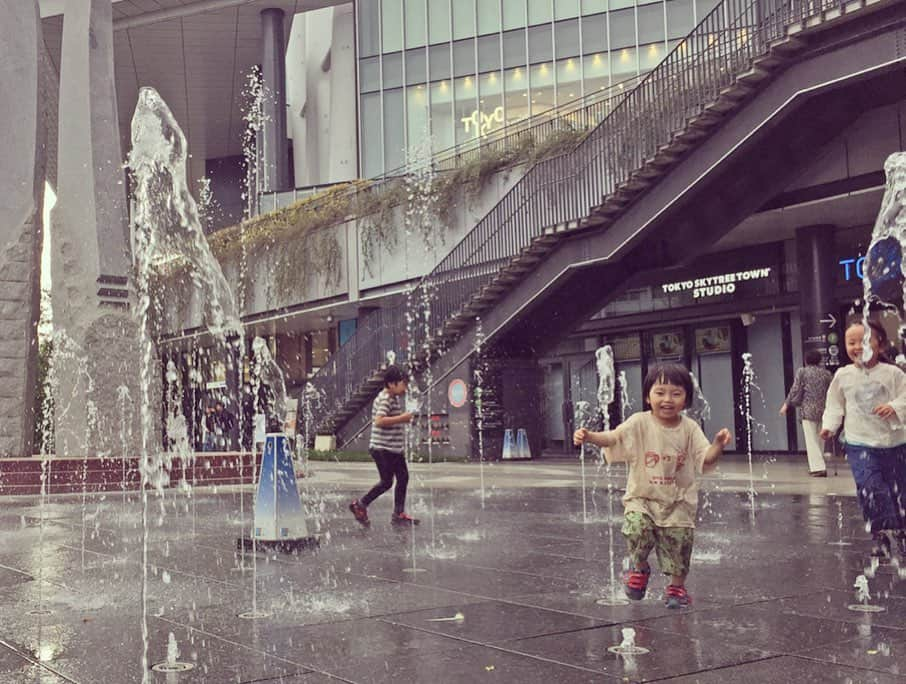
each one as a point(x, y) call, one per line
point(457, 70)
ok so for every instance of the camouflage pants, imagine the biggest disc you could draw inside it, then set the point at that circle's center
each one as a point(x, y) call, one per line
point(673, 544)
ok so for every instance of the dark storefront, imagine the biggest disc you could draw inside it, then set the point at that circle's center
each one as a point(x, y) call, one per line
point(706, 316)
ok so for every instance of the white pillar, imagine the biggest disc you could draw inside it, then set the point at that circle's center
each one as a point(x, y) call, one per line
point(343, 134)
point(91, 260)
point(21, 198)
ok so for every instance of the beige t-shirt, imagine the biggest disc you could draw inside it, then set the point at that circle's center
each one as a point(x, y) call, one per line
point(663, 463)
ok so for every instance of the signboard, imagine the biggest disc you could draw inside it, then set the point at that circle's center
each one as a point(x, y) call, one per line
point(457, 393)
point(713, 340)
point(716, 285)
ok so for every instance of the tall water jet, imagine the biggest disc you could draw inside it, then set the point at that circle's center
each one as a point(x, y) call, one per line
point(166, 230)
point(884, 271)
point(478, 373)
point(606, 395)
point(748, 382)
point(585, 418)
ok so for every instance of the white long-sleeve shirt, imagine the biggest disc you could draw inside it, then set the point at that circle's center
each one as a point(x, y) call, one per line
point(852, 396)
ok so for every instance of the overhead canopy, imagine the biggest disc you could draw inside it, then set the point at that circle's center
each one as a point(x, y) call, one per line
point(196, 53)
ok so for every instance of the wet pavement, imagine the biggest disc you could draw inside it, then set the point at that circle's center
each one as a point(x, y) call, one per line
point(500, 587)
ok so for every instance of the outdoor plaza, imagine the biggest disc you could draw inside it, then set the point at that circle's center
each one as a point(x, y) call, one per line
point(500, 582)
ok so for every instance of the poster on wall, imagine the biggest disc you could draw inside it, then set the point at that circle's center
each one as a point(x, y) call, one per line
point(713, 340)
point(626, 348)
point(217, 377)
point(668, 345)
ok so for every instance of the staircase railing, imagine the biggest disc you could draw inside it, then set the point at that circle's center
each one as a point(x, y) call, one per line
point(566, 188)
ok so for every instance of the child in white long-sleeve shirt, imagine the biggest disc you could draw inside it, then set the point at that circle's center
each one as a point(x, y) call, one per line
point(869, 399)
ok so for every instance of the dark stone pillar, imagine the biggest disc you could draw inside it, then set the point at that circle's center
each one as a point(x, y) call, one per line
point(818, 314)
point(274, 151)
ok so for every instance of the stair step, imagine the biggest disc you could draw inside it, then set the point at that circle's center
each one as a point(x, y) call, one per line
point(754, 75)
point(721, 104)
point(786, 46)
point(737, 91)
point(768, 62)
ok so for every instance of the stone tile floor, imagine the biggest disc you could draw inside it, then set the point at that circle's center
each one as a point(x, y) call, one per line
point(771, 589)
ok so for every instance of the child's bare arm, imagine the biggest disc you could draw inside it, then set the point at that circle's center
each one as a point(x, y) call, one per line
point(716, 450)
point(601, 439)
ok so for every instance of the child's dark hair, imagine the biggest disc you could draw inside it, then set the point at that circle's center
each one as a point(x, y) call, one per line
point(813, 357)
point(668, 374)
point(395, 374)
point(886, 351)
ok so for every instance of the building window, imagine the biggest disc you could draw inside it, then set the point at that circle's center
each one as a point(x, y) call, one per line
point(417, 114)
point(372, 152)
point(680, 18)
point(704, 7)
point(416, 23)
point(488, 16)
point(569, 79)
point(439, 61)
point(463, 19)
point(542, 95)
point(464, 57)
point(369, 28)
point(566, 9)
point(416, 66)
point(514, 14)
point(651, 23)
point(393, 70)
point(622, 29)
point(593, 6)
point(370, 74)
point(442, 115)
point(464, 107)
point(624, 64)
point(650, 56)
point(566, 38)
point(540, 47)
point(516, 104)
point(394, 138)
point(438, 21)
point(514, 49)
point(490, 102)
point(489, 53)
point(596, 72)
point(540, 12)
point(391, 25)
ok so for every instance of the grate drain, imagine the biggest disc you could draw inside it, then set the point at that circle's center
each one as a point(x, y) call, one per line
point(173, 667)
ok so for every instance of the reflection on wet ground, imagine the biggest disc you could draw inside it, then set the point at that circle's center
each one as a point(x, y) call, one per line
point(506, 592)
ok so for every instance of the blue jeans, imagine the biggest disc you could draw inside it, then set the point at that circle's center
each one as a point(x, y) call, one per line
point(880, 476)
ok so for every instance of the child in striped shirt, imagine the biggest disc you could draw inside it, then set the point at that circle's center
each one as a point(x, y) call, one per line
point(387, 447)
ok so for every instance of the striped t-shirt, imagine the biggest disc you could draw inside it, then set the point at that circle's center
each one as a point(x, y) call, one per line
point(391, 438)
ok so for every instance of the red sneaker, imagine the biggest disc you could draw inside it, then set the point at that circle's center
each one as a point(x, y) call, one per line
point(404, 519)
point(635, 583)
point(360, 513)
point(677, 597)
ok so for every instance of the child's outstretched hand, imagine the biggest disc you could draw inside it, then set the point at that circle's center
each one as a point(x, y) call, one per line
point(579, 436)
point(884, 411)
point(722, 438)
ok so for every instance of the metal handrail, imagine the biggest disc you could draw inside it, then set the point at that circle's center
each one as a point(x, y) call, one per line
point(566, 188)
